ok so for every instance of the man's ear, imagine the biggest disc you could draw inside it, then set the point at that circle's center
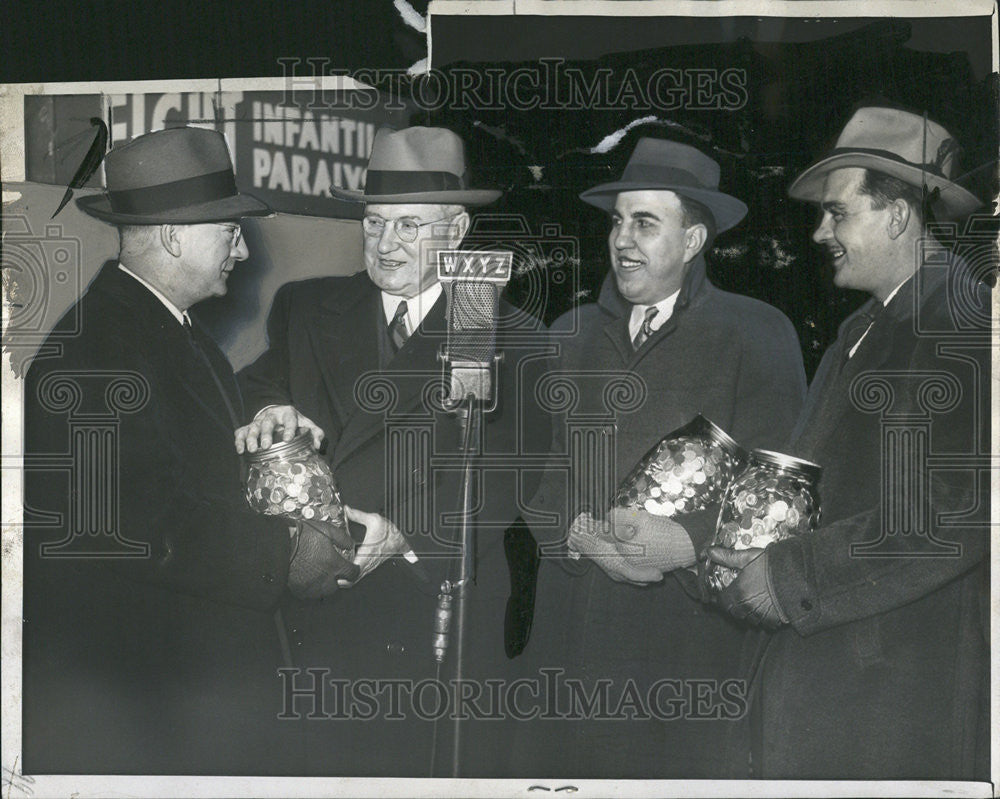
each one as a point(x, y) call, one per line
point(458, 228)
point(168, 238)
point(899, 217)
point(694, 240)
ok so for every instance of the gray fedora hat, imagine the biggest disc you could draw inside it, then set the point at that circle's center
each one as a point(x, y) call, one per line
point(904, 145)
point(417, 165)
point(663, 165)
point(178, 175)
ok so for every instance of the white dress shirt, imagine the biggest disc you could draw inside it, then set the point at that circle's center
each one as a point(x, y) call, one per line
point(416, 307)
point(664, 307)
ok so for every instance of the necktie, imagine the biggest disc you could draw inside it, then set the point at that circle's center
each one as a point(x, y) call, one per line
point(203, 356)
point(647, 327)
point(397, 328)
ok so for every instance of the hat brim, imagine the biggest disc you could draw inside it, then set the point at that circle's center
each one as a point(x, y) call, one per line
point(955, 201)
point(726, 210)
point(457, 197)
point(235, 207)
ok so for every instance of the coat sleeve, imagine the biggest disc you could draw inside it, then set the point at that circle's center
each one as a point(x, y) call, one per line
point(267, 380)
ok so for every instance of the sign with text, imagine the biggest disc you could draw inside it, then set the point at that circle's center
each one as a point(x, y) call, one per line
point(284, 151)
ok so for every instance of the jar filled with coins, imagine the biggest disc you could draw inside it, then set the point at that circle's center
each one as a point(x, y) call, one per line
point(291, 479)
point(687, 471)
point(776, 497)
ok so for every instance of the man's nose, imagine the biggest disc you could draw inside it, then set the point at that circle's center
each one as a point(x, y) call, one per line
point(622, 237)
point(823, 232)
point(241, 252)
point(388, 241)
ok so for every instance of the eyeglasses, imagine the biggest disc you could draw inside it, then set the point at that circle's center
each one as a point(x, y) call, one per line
point(236, 232)
point(405, 226)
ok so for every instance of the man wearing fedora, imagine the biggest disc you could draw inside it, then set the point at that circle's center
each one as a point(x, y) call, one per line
point(693, 349)
point(150, 586)
point(878, 665)
point(327, 338)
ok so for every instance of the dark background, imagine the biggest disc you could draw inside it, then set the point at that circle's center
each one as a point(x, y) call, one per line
point(804, 77)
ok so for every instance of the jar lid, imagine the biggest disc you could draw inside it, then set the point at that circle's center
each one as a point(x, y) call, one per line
point(718, 434)
point(807, 469)
point(281, 450)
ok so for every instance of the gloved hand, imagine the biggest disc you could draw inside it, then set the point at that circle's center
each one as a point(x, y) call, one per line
point(321, 554)
point(750, 596)
point(382, 540)
point(259, 434)
point(645, 539)
point(591, 538)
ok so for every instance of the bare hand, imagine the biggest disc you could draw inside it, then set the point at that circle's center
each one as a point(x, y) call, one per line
point(259, 434)
point(382, 540)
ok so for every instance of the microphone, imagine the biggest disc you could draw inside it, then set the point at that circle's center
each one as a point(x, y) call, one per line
point(472, 281)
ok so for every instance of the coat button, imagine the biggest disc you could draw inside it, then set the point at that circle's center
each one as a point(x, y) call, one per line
point(393, 648)
point(267, 578)
point(806, 604)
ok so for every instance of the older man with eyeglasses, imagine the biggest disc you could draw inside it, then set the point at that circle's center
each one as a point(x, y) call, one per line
point(328, 339)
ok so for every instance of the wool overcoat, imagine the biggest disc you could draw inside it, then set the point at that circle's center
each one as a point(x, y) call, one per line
point(150, 644)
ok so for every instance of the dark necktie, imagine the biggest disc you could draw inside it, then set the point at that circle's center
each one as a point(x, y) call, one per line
point(203, 357)
point(647, 327)
point(397, 328)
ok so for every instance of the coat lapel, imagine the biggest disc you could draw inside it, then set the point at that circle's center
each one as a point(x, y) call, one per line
point(408, 373)
point(191, 375)
point(344, 338)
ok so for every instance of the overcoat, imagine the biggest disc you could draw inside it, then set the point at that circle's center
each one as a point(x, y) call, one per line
point(737, 361)
point(150, 644)
point(884, 671)
point(395, 451)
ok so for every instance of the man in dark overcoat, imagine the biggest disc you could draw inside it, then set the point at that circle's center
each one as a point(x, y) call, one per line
point(150, 586)
point(660, 345)
point(355, 360)
point(878, 668)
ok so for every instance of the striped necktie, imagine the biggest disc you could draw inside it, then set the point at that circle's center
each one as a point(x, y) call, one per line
point(647, 327)
point(397, 328)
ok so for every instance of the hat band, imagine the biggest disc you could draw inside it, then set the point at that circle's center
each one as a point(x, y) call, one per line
point(666, 175)
point(381, 181)
point(176, 194)
point(934, 169)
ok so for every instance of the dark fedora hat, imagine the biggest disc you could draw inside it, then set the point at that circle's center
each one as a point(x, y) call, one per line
point(898, 143)
point(662, 165)
point(417, 165)
point(179, 175)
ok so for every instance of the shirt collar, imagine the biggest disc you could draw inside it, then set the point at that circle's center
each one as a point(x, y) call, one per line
point(416, 307)
point(177, 313)
point(664, 307)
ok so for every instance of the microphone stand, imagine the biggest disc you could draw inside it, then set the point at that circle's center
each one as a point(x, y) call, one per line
point(451, 604)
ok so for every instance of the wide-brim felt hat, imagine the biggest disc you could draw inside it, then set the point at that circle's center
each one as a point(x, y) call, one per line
point(663, 165)
point(175, 176)
point(417, 165)
point(898, 143)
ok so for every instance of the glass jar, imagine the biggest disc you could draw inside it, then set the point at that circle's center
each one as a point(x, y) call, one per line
point(688, 470)
point(775, 497)
point(291, 479)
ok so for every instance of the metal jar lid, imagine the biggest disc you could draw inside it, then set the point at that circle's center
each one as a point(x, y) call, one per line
point(811, 471)
point(282, 450)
